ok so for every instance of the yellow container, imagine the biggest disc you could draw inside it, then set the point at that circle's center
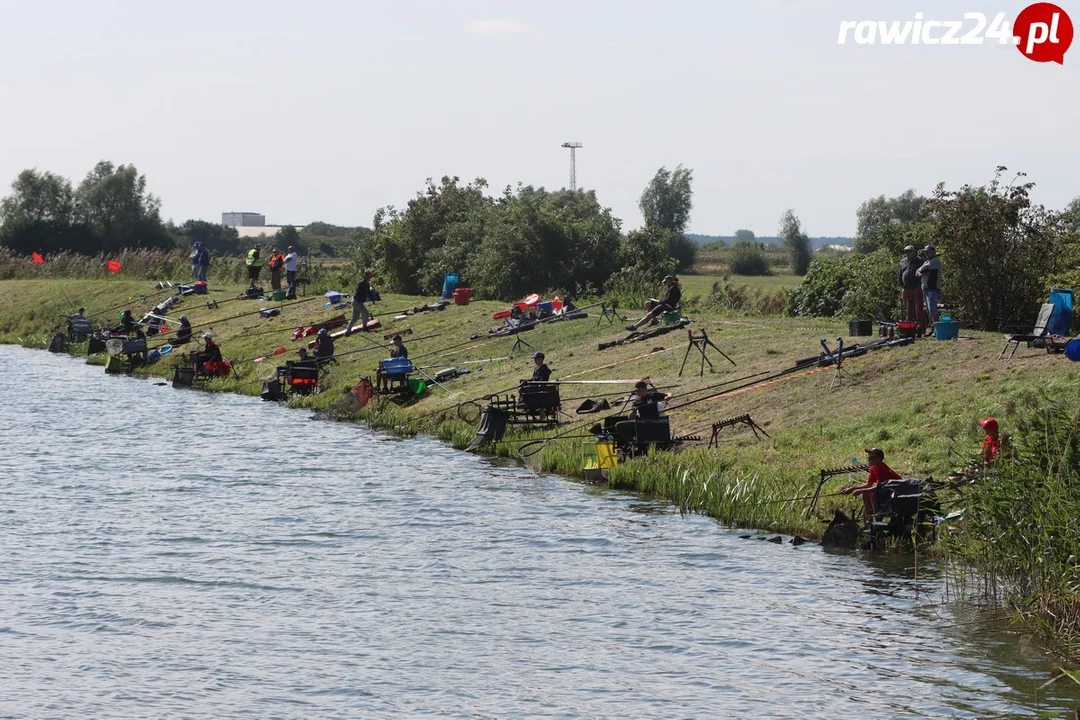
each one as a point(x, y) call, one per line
point(605, 454)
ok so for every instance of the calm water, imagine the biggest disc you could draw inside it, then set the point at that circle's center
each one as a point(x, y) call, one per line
point(181, 554)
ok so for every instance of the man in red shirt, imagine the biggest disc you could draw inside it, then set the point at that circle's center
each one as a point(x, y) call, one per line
point(879, 473)
point(991, 443)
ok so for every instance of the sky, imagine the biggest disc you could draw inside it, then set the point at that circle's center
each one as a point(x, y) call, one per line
point(327, 110)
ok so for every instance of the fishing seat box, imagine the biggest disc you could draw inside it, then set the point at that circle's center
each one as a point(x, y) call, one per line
point(134, 346)
point(183, 376)
point(396, 367)
point(900, 497)
point(537, 396)
point(654, 431)
point(302, 377)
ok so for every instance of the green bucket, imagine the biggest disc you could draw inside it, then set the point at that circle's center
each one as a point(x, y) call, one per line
point(417, 386)
point(279, 295)
point(670, 318)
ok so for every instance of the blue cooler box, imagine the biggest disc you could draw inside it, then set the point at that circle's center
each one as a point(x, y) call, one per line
point(396, 367)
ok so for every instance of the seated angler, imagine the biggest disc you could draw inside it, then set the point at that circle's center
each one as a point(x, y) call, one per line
point(127, 323)
point(398, 350)
point(541, 372)
point(655, 308)
point(879, 473)
point(79, 327)
point(324, 347)
point(183, 333)
point(211, 353)
point(647, 406)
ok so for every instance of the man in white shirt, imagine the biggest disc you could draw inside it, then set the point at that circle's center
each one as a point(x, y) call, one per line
point(292, 260)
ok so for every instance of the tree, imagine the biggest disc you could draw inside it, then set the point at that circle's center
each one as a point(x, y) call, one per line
point(434, 235)
point(114, 203)
point(997, 249)
point(534, 241)
point(667, 199)
point(219, 239)
point(796, 242)
point(888, 223)
point(683, 250)
point(1071, 216)
point(286, 236)
point(744, 236)
point(39, 215)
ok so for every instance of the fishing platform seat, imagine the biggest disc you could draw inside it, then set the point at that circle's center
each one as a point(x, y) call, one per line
point(190, 372)
point(133, 351)
point(300, 377)
point(635, 437)
point(539, 402)
point(903, 505)
point(1038, 334)
point(392, 376)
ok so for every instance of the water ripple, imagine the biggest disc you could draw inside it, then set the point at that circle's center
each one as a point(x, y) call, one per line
point(185, 554)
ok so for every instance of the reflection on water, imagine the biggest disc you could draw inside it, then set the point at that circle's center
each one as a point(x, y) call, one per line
point(196, 555)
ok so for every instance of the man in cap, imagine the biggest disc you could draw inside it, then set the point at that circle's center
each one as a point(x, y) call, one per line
point(647, 406)
point(194, 257)
point(930, 274)
point(398, 350)
point(655, 308)
point(324, 347)
point(211, 353)
point(911, 287)
point(541, 372)
point(879, 473)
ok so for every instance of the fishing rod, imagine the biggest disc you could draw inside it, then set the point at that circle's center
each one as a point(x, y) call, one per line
point(347, 352)
point(236, 317)
point(141, 298)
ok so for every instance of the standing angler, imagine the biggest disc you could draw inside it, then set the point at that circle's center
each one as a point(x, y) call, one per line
point(291, 265)
point(930, 273)
point(911, 288)
point(359, 309)
point(254, 265)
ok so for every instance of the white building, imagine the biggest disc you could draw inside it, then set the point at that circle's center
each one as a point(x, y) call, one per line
point(243, 219)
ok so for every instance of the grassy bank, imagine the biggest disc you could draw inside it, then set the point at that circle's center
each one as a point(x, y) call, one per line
point(920, 403)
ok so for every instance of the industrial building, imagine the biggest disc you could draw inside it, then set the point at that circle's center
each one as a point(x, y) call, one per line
point(243, 219)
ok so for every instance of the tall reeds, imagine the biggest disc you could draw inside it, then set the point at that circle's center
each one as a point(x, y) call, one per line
point(1021, 527)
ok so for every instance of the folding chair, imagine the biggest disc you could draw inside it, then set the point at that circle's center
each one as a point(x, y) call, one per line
point(1038, 333)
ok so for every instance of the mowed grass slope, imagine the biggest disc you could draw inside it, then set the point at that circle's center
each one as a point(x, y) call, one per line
point(920, 403)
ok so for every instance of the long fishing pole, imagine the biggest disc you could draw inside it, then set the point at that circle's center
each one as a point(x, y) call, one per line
point(141, 298)
point(236, 317)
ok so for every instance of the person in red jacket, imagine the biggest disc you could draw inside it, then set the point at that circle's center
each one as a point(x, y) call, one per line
point(991, 443)
point(879, 473)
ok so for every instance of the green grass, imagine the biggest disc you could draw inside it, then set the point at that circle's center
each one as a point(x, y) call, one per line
point(920, 403)
point(701, 285)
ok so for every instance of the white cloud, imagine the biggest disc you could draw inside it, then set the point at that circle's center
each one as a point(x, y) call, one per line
point(505, 26)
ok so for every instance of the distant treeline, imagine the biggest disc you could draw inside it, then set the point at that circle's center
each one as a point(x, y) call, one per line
point(816, 242)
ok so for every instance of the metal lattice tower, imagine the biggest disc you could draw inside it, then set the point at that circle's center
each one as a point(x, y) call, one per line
point(573, 163)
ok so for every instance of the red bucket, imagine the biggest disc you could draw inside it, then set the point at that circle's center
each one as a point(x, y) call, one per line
point(462, 296)
point(906, 328)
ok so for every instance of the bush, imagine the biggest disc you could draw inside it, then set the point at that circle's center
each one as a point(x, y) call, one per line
point(851, 285)
point(749, 259)
point(684, 250)
point(726, 295)
point(997, 248)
